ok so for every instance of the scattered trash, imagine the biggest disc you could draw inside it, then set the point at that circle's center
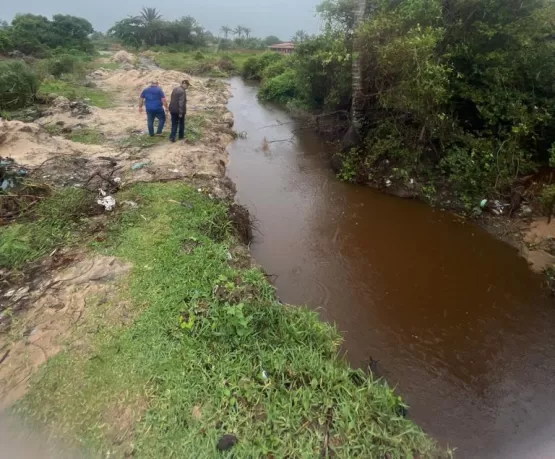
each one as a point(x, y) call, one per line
point(227, 442)
point(107, 201)
point(525, 211)
point(229, 256)
point(7, 183)
point(242, 134)
point(200, 190)
point(175, 171)
point(264, 374)
point(388, 183)
point(10, 173)
point(495, 207)
point(117, 180)
point(140, 165)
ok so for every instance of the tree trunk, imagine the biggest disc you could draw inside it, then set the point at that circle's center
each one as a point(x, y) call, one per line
point(354, 134)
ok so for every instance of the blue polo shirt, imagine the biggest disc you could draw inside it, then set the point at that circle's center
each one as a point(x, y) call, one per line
point(153, 96)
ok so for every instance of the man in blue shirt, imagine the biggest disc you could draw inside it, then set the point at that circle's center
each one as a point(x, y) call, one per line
point(154, 99)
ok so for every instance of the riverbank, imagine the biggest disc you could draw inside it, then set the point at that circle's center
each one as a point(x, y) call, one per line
point(517, 220)
point(147, 332)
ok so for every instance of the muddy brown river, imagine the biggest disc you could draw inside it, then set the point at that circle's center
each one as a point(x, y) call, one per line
point(455, 318)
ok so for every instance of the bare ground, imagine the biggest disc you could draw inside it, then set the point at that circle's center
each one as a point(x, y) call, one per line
point(50, 307)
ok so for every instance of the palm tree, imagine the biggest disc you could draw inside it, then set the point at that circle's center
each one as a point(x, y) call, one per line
point(353, 136)
point(238, 31)
point(149, 15)
point(247, 32)
point(226, 30)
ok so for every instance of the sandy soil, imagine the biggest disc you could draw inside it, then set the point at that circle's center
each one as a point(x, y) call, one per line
point(52, 306)
point(29, 144)
point(55, 306)
point(539, 244)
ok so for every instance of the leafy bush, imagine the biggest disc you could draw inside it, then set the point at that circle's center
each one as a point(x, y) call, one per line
point(63, 65)
point(254, 66)
point(321, 70)
point(275, 69)
point(473, 98)
point(281, 88)
point(37, 35)
point(18, 85)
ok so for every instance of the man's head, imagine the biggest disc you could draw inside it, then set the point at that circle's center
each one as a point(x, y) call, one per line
point(154, 83)
point(185, 84)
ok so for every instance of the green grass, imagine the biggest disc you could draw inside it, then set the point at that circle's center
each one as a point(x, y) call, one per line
point(211, 352)
point(54, 222)
point(222, 64)
point(194, 127)
point(143, 140)
point(76, 91)
point(87, 136)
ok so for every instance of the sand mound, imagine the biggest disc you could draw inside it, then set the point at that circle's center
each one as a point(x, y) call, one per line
point(30, 145)
point(123, 57)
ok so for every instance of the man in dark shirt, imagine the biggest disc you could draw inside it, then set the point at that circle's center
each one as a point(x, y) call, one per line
point(178, 110)
point(155, 101)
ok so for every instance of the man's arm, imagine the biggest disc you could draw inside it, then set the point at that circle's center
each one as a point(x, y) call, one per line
point(164, 100)
point(182, 104)
point(141, 102)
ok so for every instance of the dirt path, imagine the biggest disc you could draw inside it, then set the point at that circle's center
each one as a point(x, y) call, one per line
point(50, 305)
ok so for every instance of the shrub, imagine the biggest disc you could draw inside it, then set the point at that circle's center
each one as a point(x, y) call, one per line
point(226, 64)
point(64, 64)
point(281, 88)
point(18, 85)
point(275, 69)
point(254, 66)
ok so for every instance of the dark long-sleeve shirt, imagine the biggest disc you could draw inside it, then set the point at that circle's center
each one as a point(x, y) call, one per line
point(178, 102)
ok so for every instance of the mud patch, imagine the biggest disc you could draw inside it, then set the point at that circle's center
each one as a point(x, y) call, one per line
point(51, 319)
point(241, 221)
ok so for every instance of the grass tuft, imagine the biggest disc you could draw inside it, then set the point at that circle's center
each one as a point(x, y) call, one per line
point(87, 136)
point(18, 85)
point(214, 352)
point(54, 222)
point(73, 90)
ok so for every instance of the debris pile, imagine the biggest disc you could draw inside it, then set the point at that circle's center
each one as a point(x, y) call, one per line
point(123, 57)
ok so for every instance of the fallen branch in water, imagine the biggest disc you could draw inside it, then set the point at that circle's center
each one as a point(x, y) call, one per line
point(282, 140)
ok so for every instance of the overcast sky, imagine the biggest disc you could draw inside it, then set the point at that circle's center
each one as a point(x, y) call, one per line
point(264, 17)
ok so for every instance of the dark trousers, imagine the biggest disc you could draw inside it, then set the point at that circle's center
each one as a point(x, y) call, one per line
point(151, 116)
point(177, 123)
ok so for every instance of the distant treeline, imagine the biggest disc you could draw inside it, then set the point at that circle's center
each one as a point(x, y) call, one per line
point(37, 35)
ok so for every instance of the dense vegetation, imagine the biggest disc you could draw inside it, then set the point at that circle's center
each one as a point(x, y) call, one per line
point(41, 50)
point(458, 90)
point(150, 29)
point(38, 36)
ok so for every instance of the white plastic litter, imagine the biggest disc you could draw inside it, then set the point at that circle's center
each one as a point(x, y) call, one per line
point(108, 202)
